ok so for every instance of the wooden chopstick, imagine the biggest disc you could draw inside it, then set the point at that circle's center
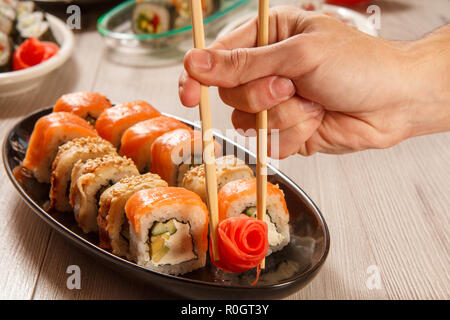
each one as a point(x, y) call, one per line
point(207, 133)
point(261, 125)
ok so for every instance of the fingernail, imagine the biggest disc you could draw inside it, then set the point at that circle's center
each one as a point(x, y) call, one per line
point(200, 59)
point(282, 88)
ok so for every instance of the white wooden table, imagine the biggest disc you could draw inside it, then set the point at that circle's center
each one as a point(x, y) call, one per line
point(387, 210)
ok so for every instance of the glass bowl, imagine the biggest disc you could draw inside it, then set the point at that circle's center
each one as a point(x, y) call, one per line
point(126, 47)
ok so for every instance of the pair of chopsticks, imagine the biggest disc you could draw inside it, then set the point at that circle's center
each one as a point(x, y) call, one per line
point(207, 136)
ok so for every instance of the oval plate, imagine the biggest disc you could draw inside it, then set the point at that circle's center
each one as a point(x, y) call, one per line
point(287, 271)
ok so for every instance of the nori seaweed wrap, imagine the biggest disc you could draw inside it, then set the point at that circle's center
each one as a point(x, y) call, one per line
point(152, 17)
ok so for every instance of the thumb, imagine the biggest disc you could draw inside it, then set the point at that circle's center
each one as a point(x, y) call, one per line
point(231, 68)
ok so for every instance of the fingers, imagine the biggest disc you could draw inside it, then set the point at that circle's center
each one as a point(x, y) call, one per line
point(232, 60)
point(290, 125)
point(188, 90)
point(231, 68)
point(260, 94)
point(290, 141)
point(244, 36)
point(284, 21)
point(283, 116)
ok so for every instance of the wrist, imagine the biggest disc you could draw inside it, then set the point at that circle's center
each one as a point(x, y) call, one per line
point(429, 82)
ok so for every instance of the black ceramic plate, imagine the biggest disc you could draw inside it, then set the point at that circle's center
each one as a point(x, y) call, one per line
point(287, 271)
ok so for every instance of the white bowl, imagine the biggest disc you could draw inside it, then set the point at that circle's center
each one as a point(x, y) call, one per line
point(16, 82)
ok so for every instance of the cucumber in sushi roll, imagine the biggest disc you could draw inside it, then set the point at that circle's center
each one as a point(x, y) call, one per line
point(5, 53)
point(152, 17)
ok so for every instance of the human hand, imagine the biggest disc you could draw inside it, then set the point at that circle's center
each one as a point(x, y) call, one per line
point(327, 87)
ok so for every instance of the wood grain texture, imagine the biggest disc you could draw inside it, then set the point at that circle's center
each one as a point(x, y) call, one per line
point(384, 208)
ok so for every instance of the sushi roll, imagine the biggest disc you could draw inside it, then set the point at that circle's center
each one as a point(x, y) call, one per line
point(176, 152)
point(137, 140)
point(87, 105)
point(48, 134)
point(34, 25)
point(183, 10)
point(7, 10)
point(89, 180)
point(183, 7)
point(114, 121)
point(239, 197)
point(12, 3)
point(152, 17)
point(5, 53)
point(6, 25)
point(69, 153)
point(228, 168)
point(24, 7)
point(112, 223)
point(168, 229)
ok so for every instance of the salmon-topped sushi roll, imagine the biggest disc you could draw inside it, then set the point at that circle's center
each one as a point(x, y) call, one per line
point(111, 219)
point(89, 180)
point(228, 168)
point(69, 153)
point(88, 105)
point(48, 134)
point(176, 152)
point(239, 197)
point(168, 229)
point(115, 120)
point(137, 140)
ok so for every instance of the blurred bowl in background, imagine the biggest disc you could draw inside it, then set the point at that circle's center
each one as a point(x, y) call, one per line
point(126, 47)
point(15, 82)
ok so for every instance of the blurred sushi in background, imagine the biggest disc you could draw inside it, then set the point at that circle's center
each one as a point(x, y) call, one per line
point(159, 16)
point(183, 10)
point(33, 25)
point(21, 21)
point(5, 52)
point(153, 17)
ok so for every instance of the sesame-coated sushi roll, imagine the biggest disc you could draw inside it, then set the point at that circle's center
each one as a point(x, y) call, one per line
point(137, 140)
point(90, 179)
point(112, 222)
point(88, 105)
point(176, 152)
point(239, 197)
point(228, 168)
point(69, 153)
point(49, 133)
point(168, 229)
point(113, 122)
